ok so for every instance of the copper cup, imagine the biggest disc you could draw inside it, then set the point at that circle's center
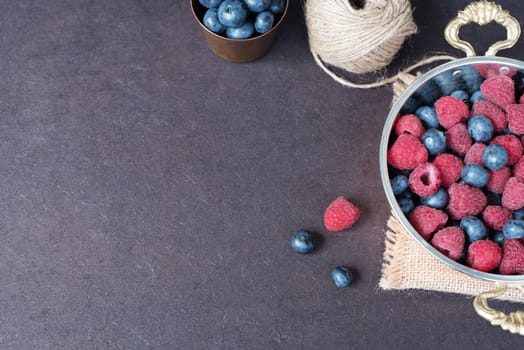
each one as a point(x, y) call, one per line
point(237, 50)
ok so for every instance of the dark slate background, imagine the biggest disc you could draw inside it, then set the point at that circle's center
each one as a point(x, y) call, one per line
point(149, 189)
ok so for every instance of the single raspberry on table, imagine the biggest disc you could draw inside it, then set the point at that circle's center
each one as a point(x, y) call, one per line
point(499, 89)
point(450, 167)
point(458, 139)
point(341, 214)
point(513, 195)
point(407, 152)
point(424, 180)
point(512, 257)
point(451, 111)
point(497, 179)
point(465, 200)
point(409, 124)
point(492, 112)
point(512, 144)
point(450, 242)
point(427, 220)
point(495, 216)
point(484, 255)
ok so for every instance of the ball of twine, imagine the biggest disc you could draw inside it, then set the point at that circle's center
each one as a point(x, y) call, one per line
point(358, 38)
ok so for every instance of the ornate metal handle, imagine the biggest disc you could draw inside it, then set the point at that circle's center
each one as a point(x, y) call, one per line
point(482, 13)
point(514, 322)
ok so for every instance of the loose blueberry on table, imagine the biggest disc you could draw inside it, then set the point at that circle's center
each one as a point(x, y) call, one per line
point(342, 276)
point(302, 242)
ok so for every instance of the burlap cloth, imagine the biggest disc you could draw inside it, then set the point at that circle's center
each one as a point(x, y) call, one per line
point(407, 265)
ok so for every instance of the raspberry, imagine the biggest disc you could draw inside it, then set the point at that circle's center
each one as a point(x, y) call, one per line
point(458, 139)
point(409, 124)
point(491, 69)
point(515, 114)
point(450, 167)
point(513, 195)
point(450, 242)
point(407, 152)
point(492, 112)
point(497, 179)
point(484, 255)
point(427, 220)
point(518, 169)
point(451, 111)
point(499, 89)
point(424, 180)
point(474, 154)
point(341, 214)
point(496, 216)
point(512, 144)
point(512, 257)
point(465, 200)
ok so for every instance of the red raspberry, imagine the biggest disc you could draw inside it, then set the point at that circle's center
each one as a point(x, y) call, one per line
point(496, 216)
point(499, 89)
point(427, 220)
point(515, 115)
point(497, 179)
point(474, 154)
point(518, 169)
point(341, 214)
point(484, 255)
point(465, 200)
point(513, 195)
point(450, 242)
point(425, 180)
point(451, 111)
point(521, 99)
point(512, 257)
point(450, 167)
point(492, 69)
point(512, 144)
point(458, 139)
point(409, 124)
point(490, 110)
point(407, 152)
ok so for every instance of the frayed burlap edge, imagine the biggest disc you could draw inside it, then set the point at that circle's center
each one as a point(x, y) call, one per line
point(407, 265)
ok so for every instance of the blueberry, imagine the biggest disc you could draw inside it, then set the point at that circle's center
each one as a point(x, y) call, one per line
point(399, 184)
point(277, 6)
point(438, 200)
point(461, 95)
point(406, 204)
point(495, 157)
point(302, 242)
point(474, 228)
point(342, 276)
point(476, 96)
point(471, 77)
point(513, 229)
point(257, 5)
point(448, 82)
point(232, 13)
point(212, 23)
point(435, 141)
point(210, 3)
point(518, 214)
point(428, 116)
point(429, 92)
point(475, 175)
point(245, 31)
point(480, 128)
point(264, 21)
point(499, 238)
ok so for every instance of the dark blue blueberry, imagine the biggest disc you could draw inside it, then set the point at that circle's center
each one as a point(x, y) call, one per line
point(438, 200)
point(264, 21)
point(232, 13)
point(257, 5)
point(245, 31)
point(277, 6)
point(435, 141)
point(480, 128)
point(428, 93)
point(476, 96)
point(302, 242)
point(461, 95)
point(212, 23)
point(471, 77)
point(474, 228)
point(406, 204)
point(428, 116)
point(411, 104)
point(499, 238)
point(342, 276)
point(210, 3)
point(399, 184)
point(449, 81)
point(518, 214)
point(495, 157)
point(513, 229)
point(475, 175)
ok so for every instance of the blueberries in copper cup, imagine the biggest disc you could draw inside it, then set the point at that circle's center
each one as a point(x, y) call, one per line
point(257, 5)
point(232, 13)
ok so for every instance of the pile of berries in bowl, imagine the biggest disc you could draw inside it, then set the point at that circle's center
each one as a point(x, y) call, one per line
point(452, 165)
point(241, 19)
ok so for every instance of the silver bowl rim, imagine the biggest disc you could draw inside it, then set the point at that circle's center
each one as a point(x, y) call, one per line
point(384, 141)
